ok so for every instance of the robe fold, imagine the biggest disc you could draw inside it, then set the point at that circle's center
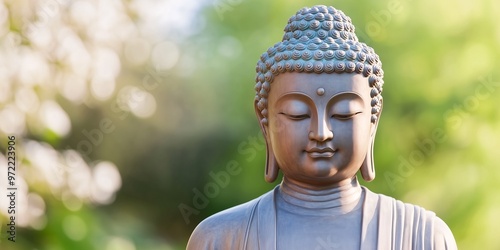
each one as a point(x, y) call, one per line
point(386, 224)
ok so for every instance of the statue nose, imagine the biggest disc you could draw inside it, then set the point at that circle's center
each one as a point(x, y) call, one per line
point(321, 132)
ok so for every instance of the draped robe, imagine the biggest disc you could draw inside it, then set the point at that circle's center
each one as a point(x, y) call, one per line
point(386, 224)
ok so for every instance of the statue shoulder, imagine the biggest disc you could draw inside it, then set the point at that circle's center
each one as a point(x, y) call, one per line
point(225, 229)
point(443, 237)
point(414, 221)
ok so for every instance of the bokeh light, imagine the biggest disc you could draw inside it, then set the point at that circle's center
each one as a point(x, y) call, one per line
point(74, 227)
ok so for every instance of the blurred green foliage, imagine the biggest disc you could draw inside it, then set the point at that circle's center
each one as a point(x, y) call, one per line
point(437, 142)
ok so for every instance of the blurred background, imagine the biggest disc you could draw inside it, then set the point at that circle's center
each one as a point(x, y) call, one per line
point(134, 119)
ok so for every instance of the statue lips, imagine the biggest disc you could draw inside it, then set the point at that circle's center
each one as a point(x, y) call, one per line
point(321, 152)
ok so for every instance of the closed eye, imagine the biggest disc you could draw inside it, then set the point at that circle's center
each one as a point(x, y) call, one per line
point(345, 116)
point(296, 117)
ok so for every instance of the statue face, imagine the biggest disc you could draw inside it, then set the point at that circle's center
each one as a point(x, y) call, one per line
point(319, 126)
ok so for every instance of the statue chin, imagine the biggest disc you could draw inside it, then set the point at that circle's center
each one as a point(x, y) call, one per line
point(323, 112)
point(315, 170)
point(322, 174)
point(321, 170)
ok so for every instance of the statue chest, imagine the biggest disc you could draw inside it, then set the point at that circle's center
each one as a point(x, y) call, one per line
point(318, 232)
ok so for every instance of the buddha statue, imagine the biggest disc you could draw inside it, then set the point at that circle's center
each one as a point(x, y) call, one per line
point(318, 101)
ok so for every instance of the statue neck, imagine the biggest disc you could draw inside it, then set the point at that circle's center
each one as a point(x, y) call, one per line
point(340, 199)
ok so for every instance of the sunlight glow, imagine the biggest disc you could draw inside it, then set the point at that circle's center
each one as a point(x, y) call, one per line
point(55, 118)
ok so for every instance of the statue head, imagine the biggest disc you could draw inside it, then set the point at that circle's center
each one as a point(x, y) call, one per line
point(318, 100)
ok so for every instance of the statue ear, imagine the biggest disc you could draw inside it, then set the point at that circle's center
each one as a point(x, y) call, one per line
point(368, 166)
point(271, 171)
point(272, 167)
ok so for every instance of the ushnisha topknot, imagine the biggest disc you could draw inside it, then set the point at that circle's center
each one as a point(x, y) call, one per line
point(318, 40)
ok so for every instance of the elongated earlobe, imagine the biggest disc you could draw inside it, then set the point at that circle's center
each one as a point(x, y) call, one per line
point(368, 167)
point(272, 167)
